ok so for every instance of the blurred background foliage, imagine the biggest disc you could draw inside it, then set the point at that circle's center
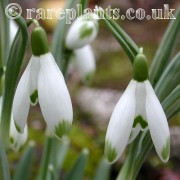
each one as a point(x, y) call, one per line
point(114, 71)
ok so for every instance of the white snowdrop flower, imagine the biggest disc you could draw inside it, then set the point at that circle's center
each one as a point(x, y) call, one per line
point(43, 81)
point(17, 140)
point(138, 110)
point(82, 31)
point(85, 63)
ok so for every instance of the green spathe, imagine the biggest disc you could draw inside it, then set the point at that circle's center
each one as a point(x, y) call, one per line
point(39, 41)
point(110, 152)
point(140, 68)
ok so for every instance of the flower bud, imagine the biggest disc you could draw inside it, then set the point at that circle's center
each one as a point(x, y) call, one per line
point(83, 31)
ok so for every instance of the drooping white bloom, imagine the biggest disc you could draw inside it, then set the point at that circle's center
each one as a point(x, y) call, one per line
point(17, 139)
point(84, 61)
point(137, 110)
point(43, 81)
point(82, 31)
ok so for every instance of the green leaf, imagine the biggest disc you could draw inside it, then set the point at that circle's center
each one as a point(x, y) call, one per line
point(59, 36)
point(4, 33)
point(4, 166)
point(11, 77)
point(171, 104)
point(103, 171)
point(23, 169)
point(165, 50)
point(169, 79)
point(77, 170)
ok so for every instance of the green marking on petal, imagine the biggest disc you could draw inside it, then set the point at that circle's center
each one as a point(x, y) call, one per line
point(139, 120)
point(110, 152)
point(89, 77)
point(34, 97)
point(166, 150)
point(17, 127)
point(11, 140)
point(62, 129)
point(85, 31)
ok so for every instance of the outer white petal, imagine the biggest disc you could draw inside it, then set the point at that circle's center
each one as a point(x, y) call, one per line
point(140, 115)
point(158, 125)
point(54, 98)
point(17, 139)
point(82, 32)
point(120, 124)
point(13, 30)
point(21, 101)
point(85, 62)
point(34, 72)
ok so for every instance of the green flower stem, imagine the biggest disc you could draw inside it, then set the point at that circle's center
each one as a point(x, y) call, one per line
point(11, 77)
point(4, 166)
point(84, 4)
point(133, 46)
point(120, 40)
point(122, 37)
point(45, 159)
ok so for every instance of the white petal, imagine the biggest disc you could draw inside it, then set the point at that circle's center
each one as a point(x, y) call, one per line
point(135, 131)
point(17, 139)
point(54, 98)
point(34, 72)
point(85, 62)
point(82, 32)
point(158, 124)
point(120, 124)
point(21, 101)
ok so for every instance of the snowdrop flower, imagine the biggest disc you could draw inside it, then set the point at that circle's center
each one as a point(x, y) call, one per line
point(82, 31)
point(43, 81)
point(84, 61)
point(17, 140)
point(137, 110)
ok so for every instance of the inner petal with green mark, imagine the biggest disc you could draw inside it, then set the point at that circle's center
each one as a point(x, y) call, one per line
point(85, 31)
point(34, 98)
point(110, 152)
point(139, 120)
point(62, 128)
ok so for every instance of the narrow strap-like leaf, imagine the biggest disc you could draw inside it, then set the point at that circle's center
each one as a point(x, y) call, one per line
point(11, 76)
point(103, 170)
point(171, 104)
point(84, 4)
point(77, 171)
point(4, 166)
point(169, 79)
point(23, 169)
point(4, 33)
point(165, 50)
